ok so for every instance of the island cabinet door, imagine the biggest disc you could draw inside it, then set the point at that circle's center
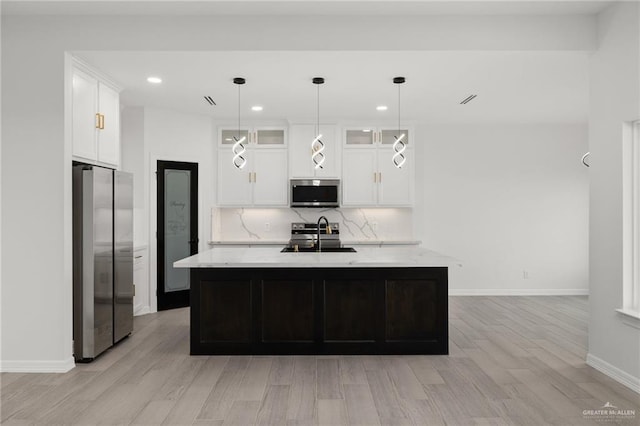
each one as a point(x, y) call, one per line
point(353, 310)
point(287, 310)
point(224, 311)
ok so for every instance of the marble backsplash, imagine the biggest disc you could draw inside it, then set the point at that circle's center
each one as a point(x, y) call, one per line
point(371, 224)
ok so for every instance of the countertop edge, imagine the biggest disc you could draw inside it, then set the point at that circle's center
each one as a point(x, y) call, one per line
point(346, 242)
point(366, 257)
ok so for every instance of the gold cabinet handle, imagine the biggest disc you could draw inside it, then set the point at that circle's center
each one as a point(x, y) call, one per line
point(97, 120)
point(249, 177)
point(380, 177)
point(254, 177)
point(101, 121)
point(375, 177)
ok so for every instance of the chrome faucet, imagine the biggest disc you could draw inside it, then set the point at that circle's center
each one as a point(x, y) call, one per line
point(327, 227)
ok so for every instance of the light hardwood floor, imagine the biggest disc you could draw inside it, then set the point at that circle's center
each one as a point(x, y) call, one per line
point(513, 361)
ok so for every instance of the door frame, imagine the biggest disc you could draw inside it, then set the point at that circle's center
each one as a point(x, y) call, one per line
point(182, 299)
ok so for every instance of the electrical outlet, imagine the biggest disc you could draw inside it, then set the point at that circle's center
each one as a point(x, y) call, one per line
point(525, 274)
point(267, 227)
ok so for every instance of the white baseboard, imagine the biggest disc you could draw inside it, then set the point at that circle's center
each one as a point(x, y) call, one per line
point(614, 372)
point(519, 292)
point(37, 366)
point(141, 310)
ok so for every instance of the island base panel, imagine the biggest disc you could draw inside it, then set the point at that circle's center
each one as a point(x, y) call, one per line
point(299, 311)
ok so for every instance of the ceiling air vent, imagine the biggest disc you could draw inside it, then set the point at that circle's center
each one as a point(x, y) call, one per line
point(468, 99)
point(210, 100)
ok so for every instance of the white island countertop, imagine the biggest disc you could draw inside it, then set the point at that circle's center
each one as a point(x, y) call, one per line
point(271, 257)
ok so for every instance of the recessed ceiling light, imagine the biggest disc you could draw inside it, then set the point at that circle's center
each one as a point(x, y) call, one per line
point(154, 80)
point(256, 108)
point(366, 130)
point(381, 107)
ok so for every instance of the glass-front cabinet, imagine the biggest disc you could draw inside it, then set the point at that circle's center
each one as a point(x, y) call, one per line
point(259, 137)
point(229, 136)
point(367, 137)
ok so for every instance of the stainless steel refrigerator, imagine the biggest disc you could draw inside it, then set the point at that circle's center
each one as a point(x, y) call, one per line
point(102, 259)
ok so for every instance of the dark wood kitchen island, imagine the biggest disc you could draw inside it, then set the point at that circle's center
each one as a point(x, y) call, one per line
point(377, 301)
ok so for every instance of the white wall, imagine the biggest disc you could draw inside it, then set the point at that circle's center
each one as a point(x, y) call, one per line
point(614, 347)
point(506, 200)
point(36, 211)
point(160, 134)
point(133, 161)
point(36, 157)
point(173, 136)
point(132, 151)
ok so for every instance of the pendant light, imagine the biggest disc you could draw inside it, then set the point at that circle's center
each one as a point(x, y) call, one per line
point(238, 148)
point(317, 146)
point(398, 145)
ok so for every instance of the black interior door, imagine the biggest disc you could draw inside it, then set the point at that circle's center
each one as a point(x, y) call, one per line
point(177, 230)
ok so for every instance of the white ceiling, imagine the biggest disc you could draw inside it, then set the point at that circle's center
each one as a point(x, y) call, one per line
point(511, 86)
point(303, 7)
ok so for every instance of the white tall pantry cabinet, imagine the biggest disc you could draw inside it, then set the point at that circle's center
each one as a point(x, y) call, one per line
point(95, 117)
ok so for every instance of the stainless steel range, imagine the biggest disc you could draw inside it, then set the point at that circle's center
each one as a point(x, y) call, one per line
point(304, 235)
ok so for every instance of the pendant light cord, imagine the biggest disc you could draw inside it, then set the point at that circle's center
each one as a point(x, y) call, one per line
point(399, 109)
point(318, 110)
point(238, 112)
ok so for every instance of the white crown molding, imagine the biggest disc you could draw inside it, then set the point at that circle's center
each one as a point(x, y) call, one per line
point(614, 372)
point(37, 366)
point(519, 292)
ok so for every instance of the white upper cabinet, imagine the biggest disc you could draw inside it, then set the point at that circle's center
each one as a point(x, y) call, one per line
point(270, 183)
point(263, 180)
point(85, 120)
point(255, 137)
point(359, 177)
point(95, 118)
point(109, 133)
point(300, 161)
point(369, 176)
point(234, 185)
point(395, 185)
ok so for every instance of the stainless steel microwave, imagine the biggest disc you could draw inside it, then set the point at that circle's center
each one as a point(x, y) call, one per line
point(315, 193)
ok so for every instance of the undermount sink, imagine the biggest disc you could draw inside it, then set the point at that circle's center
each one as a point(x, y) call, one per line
point(313, 250)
